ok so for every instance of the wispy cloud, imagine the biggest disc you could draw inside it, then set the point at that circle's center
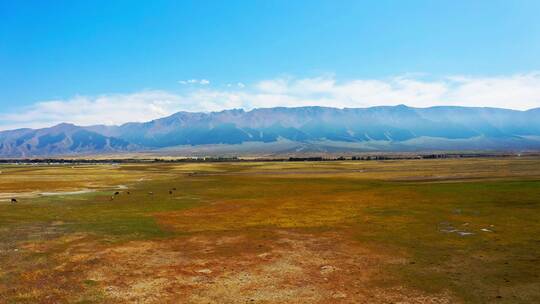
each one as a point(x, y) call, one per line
point(519, 91)
point(84, 110)
point(194, 81)
point(238, 84)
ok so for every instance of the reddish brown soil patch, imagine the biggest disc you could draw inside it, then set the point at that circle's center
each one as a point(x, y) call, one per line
point(281, 266)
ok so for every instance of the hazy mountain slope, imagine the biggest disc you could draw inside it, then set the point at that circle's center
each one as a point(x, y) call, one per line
point(60, 139)
point(490, 122)
point(376, 128)
point(393, 124)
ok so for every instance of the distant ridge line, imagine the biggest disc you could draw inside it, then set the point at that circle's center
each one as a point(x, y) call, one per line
point(282, 130)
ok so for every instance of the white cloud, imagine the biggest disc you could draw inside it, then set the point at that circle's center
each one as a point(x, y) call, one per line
point(519, 91)
point(275, 86)
point(238, 84)
point(106, 109)
point(194, 81)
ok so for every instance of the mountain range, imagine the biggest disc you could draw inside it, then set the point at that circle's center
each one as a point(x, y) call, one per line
point(319, 129)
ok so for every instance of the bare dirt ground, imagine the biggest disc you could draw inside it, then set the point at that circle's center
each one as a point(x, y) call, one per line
point(280, 266)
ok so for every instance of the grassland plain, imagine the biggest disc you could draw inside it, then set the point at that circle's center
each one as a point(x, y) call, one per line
point(410, 231)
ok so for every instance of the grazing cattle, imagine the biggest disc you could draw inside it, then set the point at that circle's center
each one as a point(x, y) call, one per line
point(174, 189)
point(151, 193)
point(128, 192)
point(13, 200)
point(170, 192)
point(116, 193)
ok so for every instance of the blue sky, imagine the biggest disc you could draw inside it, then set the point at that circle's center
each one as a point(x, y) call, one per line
point(56, 54)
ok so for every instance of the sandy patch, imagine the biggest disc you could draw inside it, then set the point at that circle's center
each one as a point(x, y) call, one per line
point(66, 192)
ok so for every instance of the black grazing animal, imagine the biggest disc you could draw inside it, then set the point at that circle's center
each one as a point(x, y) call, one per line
point(170, 192)
point(13, 200)
point(128, 192)
point(116, 193)
point(174, 189)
